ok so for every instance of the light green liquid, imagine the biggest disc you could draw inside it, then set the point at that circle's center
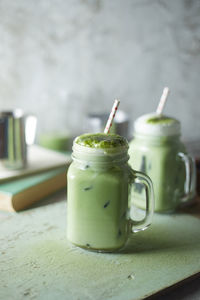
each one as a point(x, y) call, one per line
point(98, 201)
point(54, 141)
point(159, 159)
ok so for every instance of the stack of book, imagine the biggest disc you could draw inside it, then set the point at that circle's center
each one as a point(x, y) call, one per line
point(45, 174)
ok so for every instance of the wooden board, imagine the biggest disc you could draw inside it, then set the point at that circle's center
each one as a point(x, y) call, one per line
point(37, 262)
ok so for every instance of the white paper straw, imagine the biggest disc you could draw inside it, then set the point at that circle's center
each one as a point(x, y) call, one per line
point(111, 117)
point(162, 101)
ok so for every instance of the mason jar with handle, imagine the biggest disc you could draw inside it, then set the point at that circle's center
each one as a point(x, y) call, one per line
point(157, 150)
point(99, 182)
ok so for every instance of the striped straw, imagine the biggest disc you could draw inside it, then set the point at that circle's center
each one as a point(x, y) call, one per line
point(162, 101)
point(111, 117)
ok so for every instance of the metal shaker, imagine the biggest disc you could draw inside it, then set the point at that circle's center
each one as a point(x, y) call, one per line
point(96, 123)
point(16, 132)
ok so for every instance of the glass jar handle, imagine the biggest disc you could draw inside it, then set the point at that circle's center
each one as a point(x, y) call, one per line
point(141, 178)
point(190, 180)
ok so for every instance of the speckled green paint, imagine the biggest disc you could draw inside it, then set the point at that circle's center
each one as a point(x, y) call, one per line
point(37, 262)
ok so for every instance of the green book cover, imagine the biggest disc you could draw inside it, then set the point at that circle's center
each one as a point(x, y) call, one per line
point(17, 186)
point(21, 193)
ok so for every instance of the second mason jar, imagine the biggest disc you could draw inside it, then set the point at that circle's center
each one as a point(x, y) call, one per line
point(99, 180)
point(158, 151)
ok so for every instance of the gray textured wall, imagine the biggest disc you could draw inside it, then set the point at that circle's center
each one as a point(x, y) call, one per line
point(63, 58)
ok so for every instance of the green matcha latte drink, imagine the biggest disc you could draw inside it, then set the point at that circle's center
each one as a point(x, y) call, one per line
point(98, 189)
point(157, 151)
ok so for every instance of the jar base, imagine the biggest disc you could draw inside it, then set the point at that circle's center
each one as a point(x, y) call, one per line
point(97, 250)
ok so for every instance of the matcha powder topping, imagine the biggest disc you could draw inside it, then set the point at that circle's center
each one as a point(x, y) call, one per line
point(101, 140)
point(160, 120)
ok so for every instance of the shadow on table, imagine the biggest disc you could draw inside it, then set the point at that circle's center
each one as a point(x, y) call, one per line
point(173, 231)
point(54, 198)
point(186, 289)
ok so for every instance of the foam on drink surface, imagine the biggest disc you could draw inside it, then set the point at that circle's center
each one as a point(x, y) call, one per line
point(152, 124)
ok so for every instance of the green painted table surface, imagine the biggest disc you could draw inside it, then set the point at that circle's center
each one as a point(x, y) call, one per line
point(37, 262)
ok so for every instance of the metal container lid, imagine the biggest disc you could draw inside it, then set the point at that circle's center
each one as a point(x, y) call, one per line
point(96, 123)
